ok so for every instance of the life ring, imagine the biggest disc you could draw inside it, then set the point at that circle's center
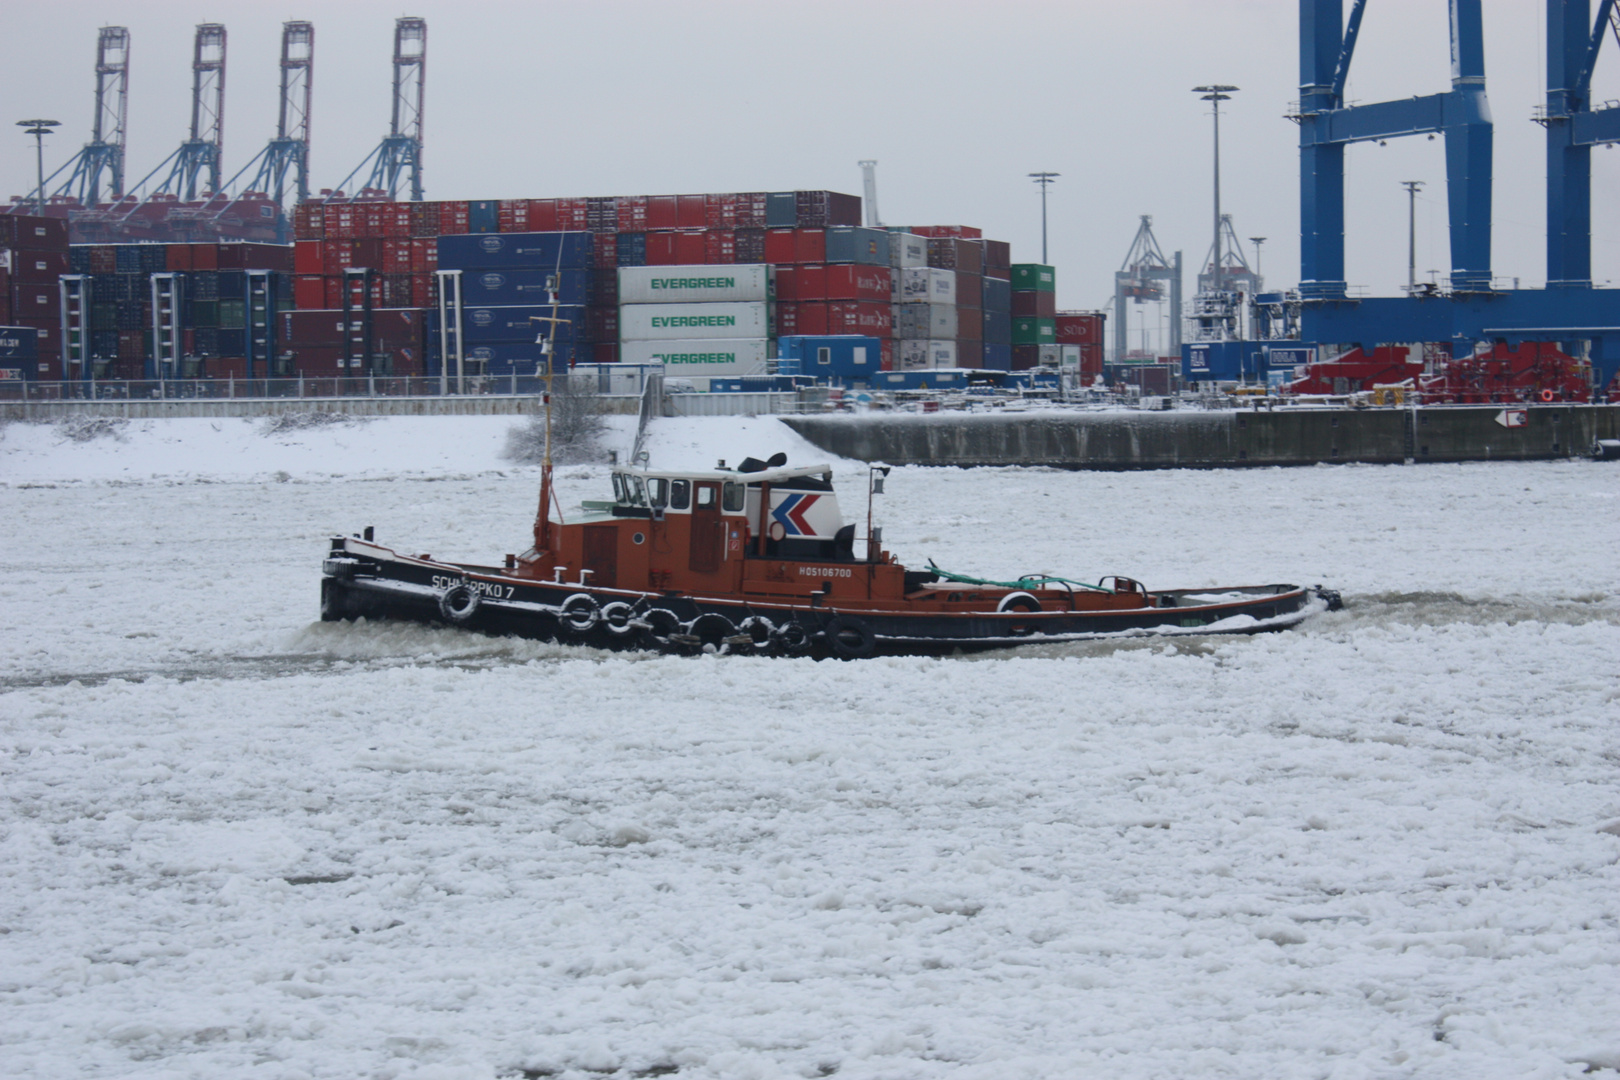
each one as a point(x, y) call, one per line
point(1019, 601)
point(760, 629)
point(1547, 395)
point(579, 613)
point(658, 625)
point(850, 638)
point(618, 617)
point(712, 629)
point(792, 638)
point(460, 603)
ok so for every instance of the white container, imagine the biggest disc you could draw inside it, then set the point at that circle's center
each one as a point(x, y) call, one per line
point(910, 354)
point(679, 322)
point(695, 284)
point(699, 357)
point(926, 285)
point(907, 249)
point(942, 354)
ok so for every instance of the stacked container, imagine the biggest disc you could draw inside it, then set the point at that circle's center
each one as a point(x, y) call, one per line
point(1080, 342)
point(512, 285)
point(698, 320)
point(1034, 316)
point(33, 253)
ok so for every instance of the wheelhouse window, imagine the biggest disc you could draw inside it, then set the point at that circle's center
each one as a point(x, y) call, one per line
point(657, 491)
point(680, 494)
point(618, 490)
point(705, 497)
point(732, 499)
point(636, 491)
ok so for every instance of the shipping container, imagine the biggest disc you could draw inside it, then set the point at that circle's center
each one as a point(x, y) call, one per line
point(997, 294)
point(952, 253)
point(750, 243)
point(997, 356)
point(309, 257)
point(719, 247)
point(1031, 331)
point(700, 356)
point(969, 290)
point(997, 254)
point(1027, 303)
point(966, 232)
point(693, 284)
point(851, 244)
point(779, 247)
point(997, 327)
point(630, 249)
point(969, 324)
point(1033, 277)
point(543, 215)
point(655, 322)
point(819, 209)
point(689, 248)
point(1080, 327)
point(835, 317)
point(309, 291)
point(483, 216)
point(299, 328)
point(487, 325)
point(661, 212)
point(690, 212)
point(851, 281)
point(752, 210)
point(907, 249)
point(38, 267)
point(483, 288)
point(781, 210)
point(925, 285)
point(720, 210)
point(539, 251)
point(938, 321)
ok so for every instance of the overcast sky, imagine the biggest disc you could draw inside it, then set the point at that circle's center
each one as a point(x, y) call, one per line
point(957, 101)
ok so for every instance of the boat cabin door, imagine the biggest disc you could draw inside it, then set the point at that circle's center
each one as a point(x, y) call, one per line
point(708, 536)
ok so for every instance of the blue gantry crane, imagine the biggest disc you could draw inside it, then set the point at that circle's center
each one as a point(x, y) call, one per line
point(288, 152)
point(103, 155)
point(400, 152)
point(1473, 310)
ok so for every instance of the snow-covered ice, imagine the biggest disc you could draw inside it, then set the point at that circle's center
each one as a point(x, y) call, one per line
point(240, 842)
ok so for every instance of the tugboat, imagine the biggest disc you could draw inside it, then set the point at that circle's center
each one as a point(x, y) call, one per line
point(758, 559)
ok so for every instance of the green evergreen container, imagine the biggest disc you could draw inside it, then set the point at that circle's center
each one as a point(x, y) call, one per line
point(1033, 277)
point(1032, 331)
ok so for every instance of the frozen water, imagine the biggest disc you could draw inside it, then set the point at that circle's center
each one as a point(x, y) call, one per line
point(239, 841)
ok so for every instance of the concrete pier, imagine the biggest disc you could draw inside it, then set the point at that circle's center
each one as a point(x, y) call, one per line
point(1189, 439)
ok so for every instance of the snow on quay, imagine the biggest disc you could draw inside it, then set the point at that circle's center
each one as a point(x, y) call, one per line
point(240, 842)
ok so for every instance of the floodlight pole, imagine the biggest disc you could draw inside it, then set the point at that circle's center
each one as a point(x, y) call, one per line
point(39, 129)
point(1216, 94)
point(1045, 180)
point(1411, 187)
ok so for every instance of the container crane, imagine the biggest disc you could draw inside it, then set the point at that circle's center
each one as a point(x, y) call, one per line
point(104, 153)
point(196, 164)
point(1145, 276)
point(869, 171)
point(289, 150)
point(400, 151)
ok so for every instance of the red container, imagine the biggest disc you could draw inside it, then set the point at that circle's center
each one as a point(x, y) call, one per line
point(969, 327)
point(1025, 357)
point(605, 352)
point(661, 249)
point(689, 248)
point(332, 293)
point(1002, 272)
point(542, 215)
point(969, 290)
point(950, 253)
point(602, 323)
point(887, 348)
point(309, 222)
point(204, 257)
point(779, 246)
point(396, 220)
point(663, 212)
point(720, 246)
point(49, 331)
point(997, 253)
point(175, 257)
point(691, 212)
point(851, 281)
point(751, 209)
point(424, 219)
point(720, 211)
point(424, 255)
point(33, 233)
point(424, 291)
point(1080, 328)
point(964, 231)
point(396, 256)
point(810, 281)
point(371, 220)
point(809, 245)
point(454, 219)
point(31, 300)
point(397, 328)
point(513, 215)
point(1037, 305)
point(801, 318)
point(607, 250)
point(632, 211)
point(318, 361)
point(368, 253)
point(299, 328)
point(873, 320)
point(104, 258)
point(751, 245)
point(38, 267)
point(396, 290)
point(572, 215)
point(309, 291)
point(309, 257)
point(787, 283)
point(131, 345)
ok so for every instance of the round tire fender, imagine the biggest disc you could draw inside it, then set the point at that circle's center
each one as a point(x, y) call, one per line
point(792, 638)
point(460, 603)
point(850, 638)
point(1019, 601)
point(761, 629)
point(579, 613)
point(660, 623)
point(618, 617)
point(712, 629)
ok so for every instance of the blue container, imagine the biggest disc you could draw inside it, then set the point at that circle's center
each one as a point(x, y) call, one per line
point(516, 251)
point(129, 314)
point(852, 244)
point(232, 343)
point(839, 357)
point(782, 210)
point(203, 285)
point(154, 258)
point(507, 288)
point(997, 355)
point(511, 325)
point(104, 343)
point(232, 285)
point(127, 258)
point(19, 343)
point(79, 258)
point(632, 249)
point(484, 216)
point(511, 358)
point(127, 287)
point(997, 327)
point(997, 295)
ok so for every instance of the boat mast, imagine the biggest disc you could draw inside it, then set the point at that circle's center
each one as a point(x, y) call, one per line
point(547, 341)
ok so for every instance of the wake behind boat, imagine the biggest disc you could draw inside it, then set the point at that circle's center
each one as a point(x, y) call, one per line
point(759, 559)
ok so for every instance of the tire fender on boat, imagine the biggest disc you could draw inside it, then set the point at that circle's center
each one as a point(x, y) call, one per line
point(618, 617)
point(792, 638)
point(659, 624)
point(850, 638)
point(459, 603)
point(761, 629)
point(712, 629)
point(579, 613)
point(1019, 601)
